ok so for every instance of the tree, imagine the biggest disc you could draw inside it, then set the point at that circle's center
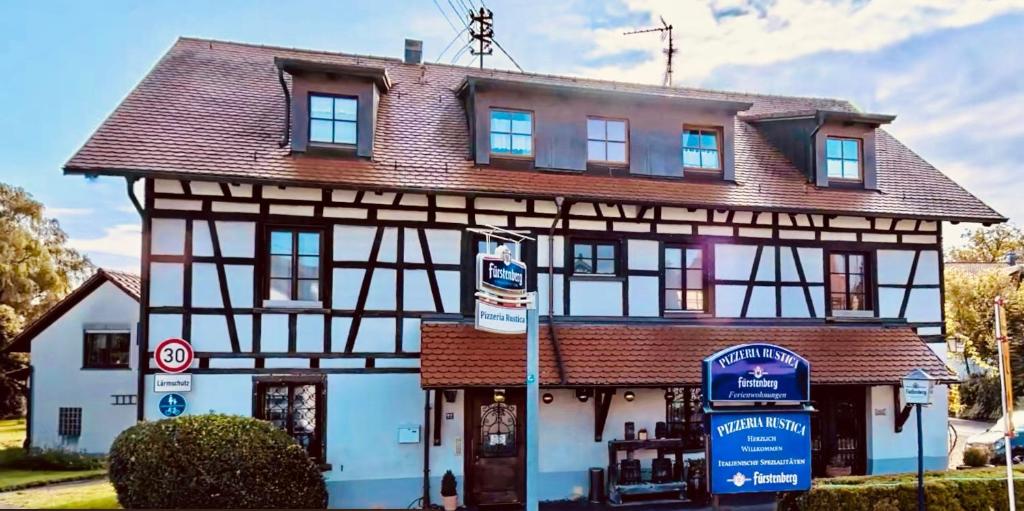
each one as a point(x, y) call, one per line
point(969, 310)
point(37, 269)
point(989, 244)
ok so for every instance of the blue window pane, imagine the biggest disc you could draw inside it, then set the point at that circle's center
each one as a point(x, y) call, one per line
point(851, 170)
point(309, 267)
point(691, 139)
point(320, 107)
point(595, 150)
point(309, 243)
point(850, 151)
point(673, 258)
point(595, 129)
point(606, 251)
point(693, 258)
point(585, 251)
point(500, 124)
point(835, 168)
point(281, 242)
point(691, 157)
point(320, 131)
point(617, 131)
point(709, 140)
point(834, 148)
point(617, 151)
point(344, 132)
point(709, 159)
point(521, 144)
point(501, 143)
point(281, 266)
point(345, 109)
point(522, 123)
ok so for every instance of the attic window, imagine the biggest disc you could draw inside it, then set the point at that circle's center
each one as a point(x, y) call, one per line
point(701, 149)
point(332, 119)
point(511, 133)
point(842, 158)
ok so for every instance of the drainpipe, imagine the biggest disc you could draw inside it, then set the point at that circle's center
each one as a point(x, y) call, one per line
point(287, 108)
point(426, 448)
point(129, 181)
point(559, 201)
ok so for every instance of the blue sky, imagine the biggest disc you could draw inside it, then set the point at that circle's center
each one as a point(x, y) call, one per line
point(951, 70)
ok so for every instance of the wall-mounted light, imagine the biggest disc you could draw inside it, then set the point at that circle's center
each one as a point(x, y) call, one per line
point(499, 395)
point(548, 398)
point(583, 395)
point(629, 395)
point(669, 395)
point(450, 395)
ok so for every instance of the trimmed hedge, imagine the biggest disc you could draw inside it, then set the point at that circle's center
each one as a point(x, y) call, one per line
point(213, 461)
point(962, 490)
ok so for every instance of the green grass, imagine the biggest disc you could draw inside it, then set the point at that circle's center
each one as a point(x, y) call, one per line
point(12, 433)
point(11, 479)
point(87, 495)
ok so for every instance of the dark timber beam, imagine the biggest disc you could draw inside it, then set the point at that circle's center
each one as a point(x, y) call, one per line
point(437, 416)
point(902, 415)
point(602, 402)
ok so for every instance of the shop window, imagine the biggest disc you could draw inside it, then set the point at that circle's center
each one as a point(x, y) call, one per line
point(69, 423)
point(684, 415)
point(106, 350)
point(296, 407)
point(294, 265)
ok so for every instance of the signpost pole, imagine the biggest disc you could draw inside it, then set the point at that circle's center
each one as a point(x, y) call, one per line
point(1006, 395)
point(920, 461)
point(532, 402)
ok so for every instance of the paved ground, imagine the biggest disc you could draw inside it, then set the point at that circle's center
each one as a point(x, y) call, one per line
point(964, 430)
point(91, 494)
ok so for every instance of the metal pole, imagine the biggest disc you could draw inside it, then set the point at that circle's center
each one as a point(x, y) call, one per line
point(920, 461)
point(1007, 430)
point(532, 402)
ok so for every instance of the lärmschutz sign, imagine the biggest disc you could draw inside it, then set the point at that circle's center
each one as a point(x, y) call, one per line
point(759, 451)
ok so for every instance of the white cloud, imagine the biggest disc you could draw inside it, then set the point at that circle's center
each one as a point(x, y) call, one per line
point(758, 33)
point(119, 240)
point(59, 213)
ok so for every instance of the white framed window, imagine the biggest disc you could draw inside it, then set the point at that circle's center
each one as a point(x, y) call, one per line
point(607, 140)
point(511, 133)
point(842, 158)
point(332, 119)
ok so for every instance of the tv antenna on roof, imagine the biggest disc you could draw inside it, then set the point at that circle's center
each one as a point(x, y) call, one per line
point(666, 32)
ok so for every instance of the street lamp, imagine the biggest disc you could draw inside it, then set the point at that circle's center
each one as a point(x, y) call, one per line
point(917, 391)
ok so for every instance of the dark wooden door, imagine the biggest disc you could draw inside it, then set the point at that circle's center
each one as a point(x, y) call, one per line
point(495, 433)
point(838, 432)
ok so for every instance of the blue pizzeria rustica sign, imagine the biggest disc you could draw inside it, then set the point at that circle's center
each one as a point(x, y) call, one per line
point(172, 405)
point(502, 274)
point(759, 451)
point(756, 373)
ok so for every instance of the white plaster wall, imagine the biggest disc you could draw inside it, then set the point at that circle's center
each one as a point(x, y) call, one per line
point(60, 381)
point(888, 451)
point(595, 297)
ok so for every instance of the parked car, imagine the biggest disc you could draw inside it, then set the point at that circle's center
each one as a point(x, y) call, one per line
point(992, 439)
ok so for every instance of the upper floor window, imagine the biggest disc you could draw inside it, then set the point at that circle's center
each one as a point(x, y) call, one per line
point(606, 140)
point(297, 407)
point(684, 279)
point(294, 265)
point(593, 258)
point(511, 132)
point(106, 350)
point(848, 284)
point(701, 149)
point(842, 158)
point(332, 119)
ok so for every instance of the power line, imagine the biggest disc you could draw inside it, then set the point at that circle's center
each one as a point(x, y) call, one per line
point(460, 52)
point(450, 43)
point(450, 24)
point(458, 15)
point(496, 43)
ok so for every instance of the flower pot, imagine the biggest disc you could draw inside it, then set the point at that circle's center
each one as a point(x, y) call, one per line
point(451, 503)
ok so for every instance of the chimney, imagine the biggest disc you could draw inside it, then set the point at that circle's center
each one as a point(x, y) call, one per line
point(413, 51)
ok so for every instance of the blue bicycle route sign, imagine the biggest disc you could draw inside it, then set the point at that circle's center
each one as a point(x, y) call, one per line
point(172, 405)
point(756, 373)
point(759, 452)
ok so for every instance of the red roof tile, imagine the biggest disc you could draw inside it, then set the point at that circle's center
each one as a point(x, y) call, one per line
point(457, 355)
point(215, 109)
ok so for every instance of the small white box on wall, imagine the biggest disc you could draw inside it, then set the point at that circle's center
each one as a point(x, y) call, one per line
point(409, 435)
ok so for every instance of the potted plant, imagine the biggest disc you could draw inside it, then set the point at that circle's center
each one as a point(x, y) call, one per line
point(449, 491)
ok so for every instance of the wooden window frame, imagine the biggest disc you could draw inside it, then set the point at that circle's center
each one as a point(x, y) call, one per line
point(705, 278)
point(860, 160)
point(869, 289)
point(267, 279)
point(86, 334)
point(317, 452)
point(719, 136)
point(607, 162)
point(310, 119)
point(616, 257)
point(533, 134)
point(690, 438)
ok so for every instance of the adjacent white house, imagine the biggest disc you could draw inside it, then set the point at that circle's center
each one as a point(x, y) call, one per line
point(82, 388)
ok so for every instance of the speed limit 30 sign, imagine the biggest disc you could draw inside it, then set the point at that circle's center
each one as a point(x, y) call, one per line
point(173, 355)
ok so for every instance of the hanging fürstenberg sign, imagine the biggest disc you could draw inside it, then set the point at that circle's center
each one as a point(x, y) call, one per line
point(501, 293)
point(756, 373)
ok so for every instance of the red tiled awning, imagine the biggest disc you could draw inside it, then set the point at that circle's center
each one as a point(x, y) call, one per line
point(458, 355)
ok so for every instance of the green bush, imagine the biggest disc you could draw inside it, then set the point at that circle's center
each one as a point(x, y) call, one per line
point(961, 490)
point(976, 456)
point(980, 397)
point(54, 459)
point(956, 406)
point(213, 461)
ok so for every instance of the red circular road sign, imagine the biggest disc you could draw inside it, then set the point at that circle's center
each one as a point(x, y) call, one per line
point(173, 355)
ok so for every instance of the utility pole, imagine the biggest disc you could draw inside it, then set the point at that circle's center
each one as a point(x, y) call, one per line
point(666, 32)
point(483, 33)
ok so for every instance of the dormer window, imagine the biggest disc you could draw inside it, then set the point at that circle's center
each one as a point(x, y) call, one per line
point(842, 158)
point(511, 133)
point(606, 140)
point(701, 149)
point(332, 119)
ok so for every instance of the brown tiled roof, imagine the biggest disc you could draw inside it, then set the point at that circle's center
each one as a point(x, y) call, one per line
point(457, 355)
point(215, 109)
point(130, 283)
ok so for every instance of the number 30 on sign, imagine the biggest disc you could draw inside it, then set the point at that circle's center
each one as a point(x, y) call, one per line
point(173, 355)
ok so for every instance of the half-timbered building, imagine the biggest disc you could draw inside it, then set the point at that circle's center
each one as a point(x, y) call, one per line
point(305, 215)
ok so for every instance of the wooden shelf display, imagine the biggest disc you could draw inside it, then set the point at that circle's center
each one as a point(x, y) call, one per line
point(674, 489)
